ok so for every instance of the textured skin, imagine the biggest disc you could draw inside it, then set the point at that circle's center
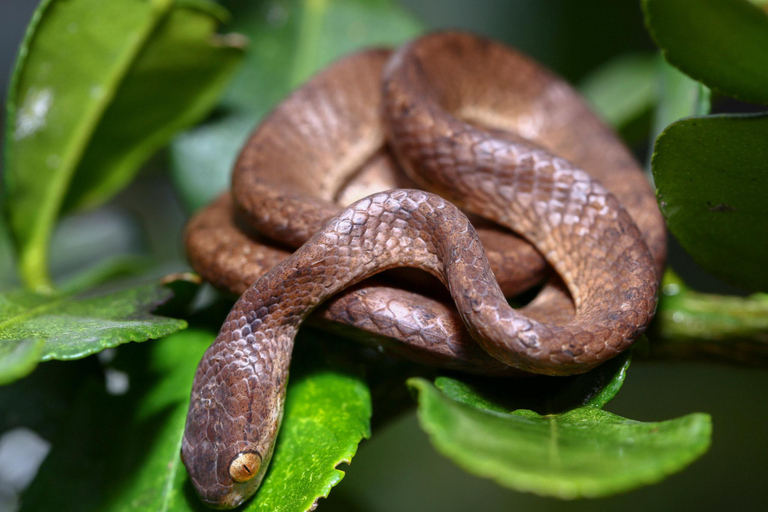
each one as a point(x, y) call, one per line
point(576, 224)
point(291, 194)
point(437, 91)
point(423, 329)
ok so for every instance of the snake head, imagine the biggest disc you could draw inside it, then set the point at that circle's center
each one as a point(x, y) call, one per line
point(229, 434)
point(221, 483)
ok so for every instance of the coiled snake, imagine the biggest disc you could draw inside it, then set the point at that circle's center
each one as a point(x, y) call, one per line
point(486, 129)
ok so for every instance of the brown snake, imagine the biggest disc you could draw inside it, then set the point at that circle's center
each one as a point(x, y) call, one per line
point(475, 122)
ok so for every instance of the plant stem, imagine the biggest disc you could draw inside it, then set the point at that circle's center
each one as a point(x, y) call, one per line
point(694, 325)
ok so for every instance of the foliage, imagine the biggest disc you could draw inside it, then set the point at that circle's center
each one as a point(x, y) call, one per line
point(72, 115)
point(290, 40)
point(327, 413)
point(720, 220)
point(82, 122)
point(41, 328)
point(584, 452)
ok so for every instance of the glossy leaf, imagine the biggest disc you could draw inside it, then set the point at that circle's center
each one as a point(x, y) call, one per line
point(98, 87)
point(712, 174)
point(290, 40)
point(327, 414)
point(585, 452)
point(718, 42)
point(40, 328)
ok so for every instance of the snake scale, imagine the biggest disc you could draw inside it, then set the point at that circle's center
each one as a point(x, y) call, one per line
point(477, 126)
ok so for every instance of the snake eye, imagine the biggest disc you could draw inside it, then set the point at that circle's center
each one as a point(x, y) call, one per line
point(245, 466)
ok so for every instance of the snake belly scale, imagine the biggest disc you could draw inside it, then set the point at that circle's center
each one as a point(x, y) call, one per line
point(481, 141)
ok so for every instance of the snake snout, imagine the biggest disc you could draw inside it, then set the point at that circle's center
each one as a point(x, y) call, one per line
point(224, 470)
point(219, 483)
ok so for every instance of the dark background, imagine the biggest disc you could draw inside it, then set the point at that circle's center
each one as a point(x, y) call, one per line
point(399, 470)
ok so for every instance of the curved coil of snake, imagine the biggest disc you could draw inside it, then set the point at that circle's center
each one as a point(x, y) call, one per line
point(492, 133)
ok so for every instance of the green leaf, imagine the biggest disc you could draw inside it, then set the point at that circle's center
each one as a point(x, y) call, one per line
point(106, 270)
point(41, 327)
point(586, 452)
point(623, 90)
point(98, 87)
point(679, 96)
point(604, 382)
point(18, 358)
point(694, 325)
point(544, 394)
point(290, 40)
point(7, 264)
point(718, 42)
point(712, 174)
point(327, 414)
point(121, 452)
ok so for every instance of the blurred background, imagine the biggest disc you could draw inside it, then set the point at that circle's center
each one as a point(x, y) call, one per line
point(398, 470)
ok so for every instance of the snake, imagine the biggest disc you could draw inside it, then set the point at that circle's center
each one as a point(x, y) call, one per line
point(479, 128)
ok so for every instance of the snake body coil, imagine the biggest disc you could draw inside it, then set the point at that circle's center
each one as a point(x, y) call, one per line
point(480, 125)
